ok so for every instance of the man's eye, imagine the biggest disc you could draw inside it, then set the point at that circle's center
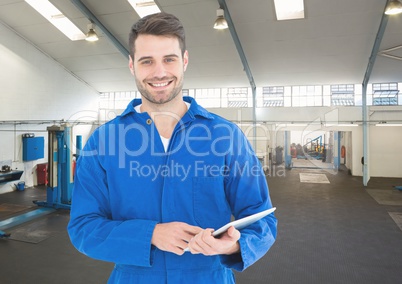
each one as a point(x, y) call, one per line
point(169, 59)
point(146, 62)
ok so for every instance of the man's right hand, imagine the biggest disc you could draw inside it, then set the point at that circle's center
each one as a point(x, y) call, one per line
point(173, 237)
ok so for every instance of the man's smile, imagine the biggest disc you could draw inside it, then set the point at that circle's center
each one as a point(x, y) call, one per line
point(160, 84)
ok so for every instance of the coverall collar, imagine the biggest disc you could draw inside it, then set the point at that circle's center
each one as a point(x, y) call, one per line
point(194, 110)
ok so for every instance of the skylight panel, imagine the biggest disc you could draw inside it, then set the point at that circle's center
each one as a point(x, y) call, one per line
point(289, 9)
point(60, 21)
point(144, 7)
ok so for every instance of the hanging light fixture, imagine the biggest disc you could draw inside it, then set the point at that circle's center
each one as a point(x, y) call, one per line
point(394, 7)
point(91, 35)
point(220, 23)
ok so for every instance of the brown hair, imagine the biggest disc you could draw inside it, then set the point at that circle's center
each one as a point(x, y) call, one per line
point(160, 24)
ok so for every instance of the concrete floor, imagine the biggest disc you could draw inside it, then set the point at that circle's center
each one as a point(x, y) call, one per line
point(328, 232)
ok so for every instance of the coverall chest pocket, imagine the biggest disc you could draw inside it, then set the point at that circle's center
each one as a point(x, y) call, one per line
point(211, 209)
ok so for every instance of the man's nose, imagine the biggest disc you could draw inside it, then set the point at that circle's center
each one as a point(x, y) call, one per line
point(159, 70)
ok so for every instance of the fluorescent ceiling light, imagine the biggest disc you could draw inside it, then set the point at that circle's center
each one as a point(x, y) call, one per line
point(289, 9)
point(346, 124)
point(294, 124)
point(388, 124)
point(248, 124)
point(53, 15)
point(144, 7)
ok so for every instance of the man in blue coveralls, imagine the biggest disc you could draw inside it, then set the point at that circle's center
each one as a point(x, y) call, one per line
point(152, 184)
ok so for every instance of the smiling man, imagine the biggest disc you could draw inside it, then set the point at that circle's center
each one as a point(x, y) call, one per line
point(153, 184)
point(158, 67)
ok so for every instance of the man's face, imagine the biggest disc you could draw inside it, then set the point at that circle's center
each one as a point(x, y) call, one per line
point(158, 67)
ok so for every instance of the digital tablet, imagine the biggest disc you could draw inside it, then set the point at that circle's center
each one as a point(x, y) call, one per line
point(242, 223)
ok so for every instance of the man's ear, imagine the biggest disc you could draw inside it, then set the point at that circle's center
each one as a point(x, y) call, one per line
point(131, 64)
point(185, 60)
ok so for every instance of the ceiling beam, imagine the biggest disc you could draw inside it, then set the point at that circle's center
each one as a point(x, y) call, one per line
point(237, 42)
point(376, 46)
point(235, 37)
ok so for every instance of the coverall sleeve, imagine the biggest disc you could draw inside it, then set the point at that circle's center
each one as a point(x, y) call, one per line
point(91, 228)
point(247, 193)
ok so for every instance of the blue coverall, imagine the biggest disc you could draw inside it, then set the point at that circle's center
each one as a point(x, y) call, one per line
point(126, 183)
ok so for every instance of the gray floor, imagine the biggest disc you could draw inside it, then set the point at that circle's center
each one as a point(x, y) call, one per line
point(336, 232)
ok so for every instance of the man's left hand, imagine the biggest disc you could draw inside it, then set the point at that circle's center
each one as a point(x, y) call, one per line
point(206, 244)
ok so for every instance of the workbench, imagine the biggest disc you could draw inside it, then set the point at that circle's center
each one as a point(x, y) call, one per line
point(10, 176)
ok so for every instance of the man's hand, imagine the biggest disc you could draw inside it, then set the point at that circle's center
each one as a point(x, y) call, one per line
point(174, 236)
point(206, 244)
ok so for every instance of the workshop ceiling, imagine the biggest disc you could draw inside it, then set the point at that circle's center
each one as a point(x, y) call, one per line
point(332, 45)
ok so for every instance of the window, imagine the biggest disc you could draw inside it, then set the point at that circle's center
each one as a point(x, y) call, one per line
point(273, 96)
point(237, 97)
point(117, 100)
point(185, 92)
point(306, 96)
point(342, 95)
point(208, 97)
point(385, 94)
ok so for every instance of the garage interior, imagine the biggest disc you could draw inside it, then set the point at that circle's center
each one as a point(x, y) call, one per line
point(317, 96)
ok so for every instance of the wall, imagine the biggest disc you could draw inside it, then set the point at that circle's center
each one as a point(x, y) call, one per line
point(35, 92)
point(386, 151)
